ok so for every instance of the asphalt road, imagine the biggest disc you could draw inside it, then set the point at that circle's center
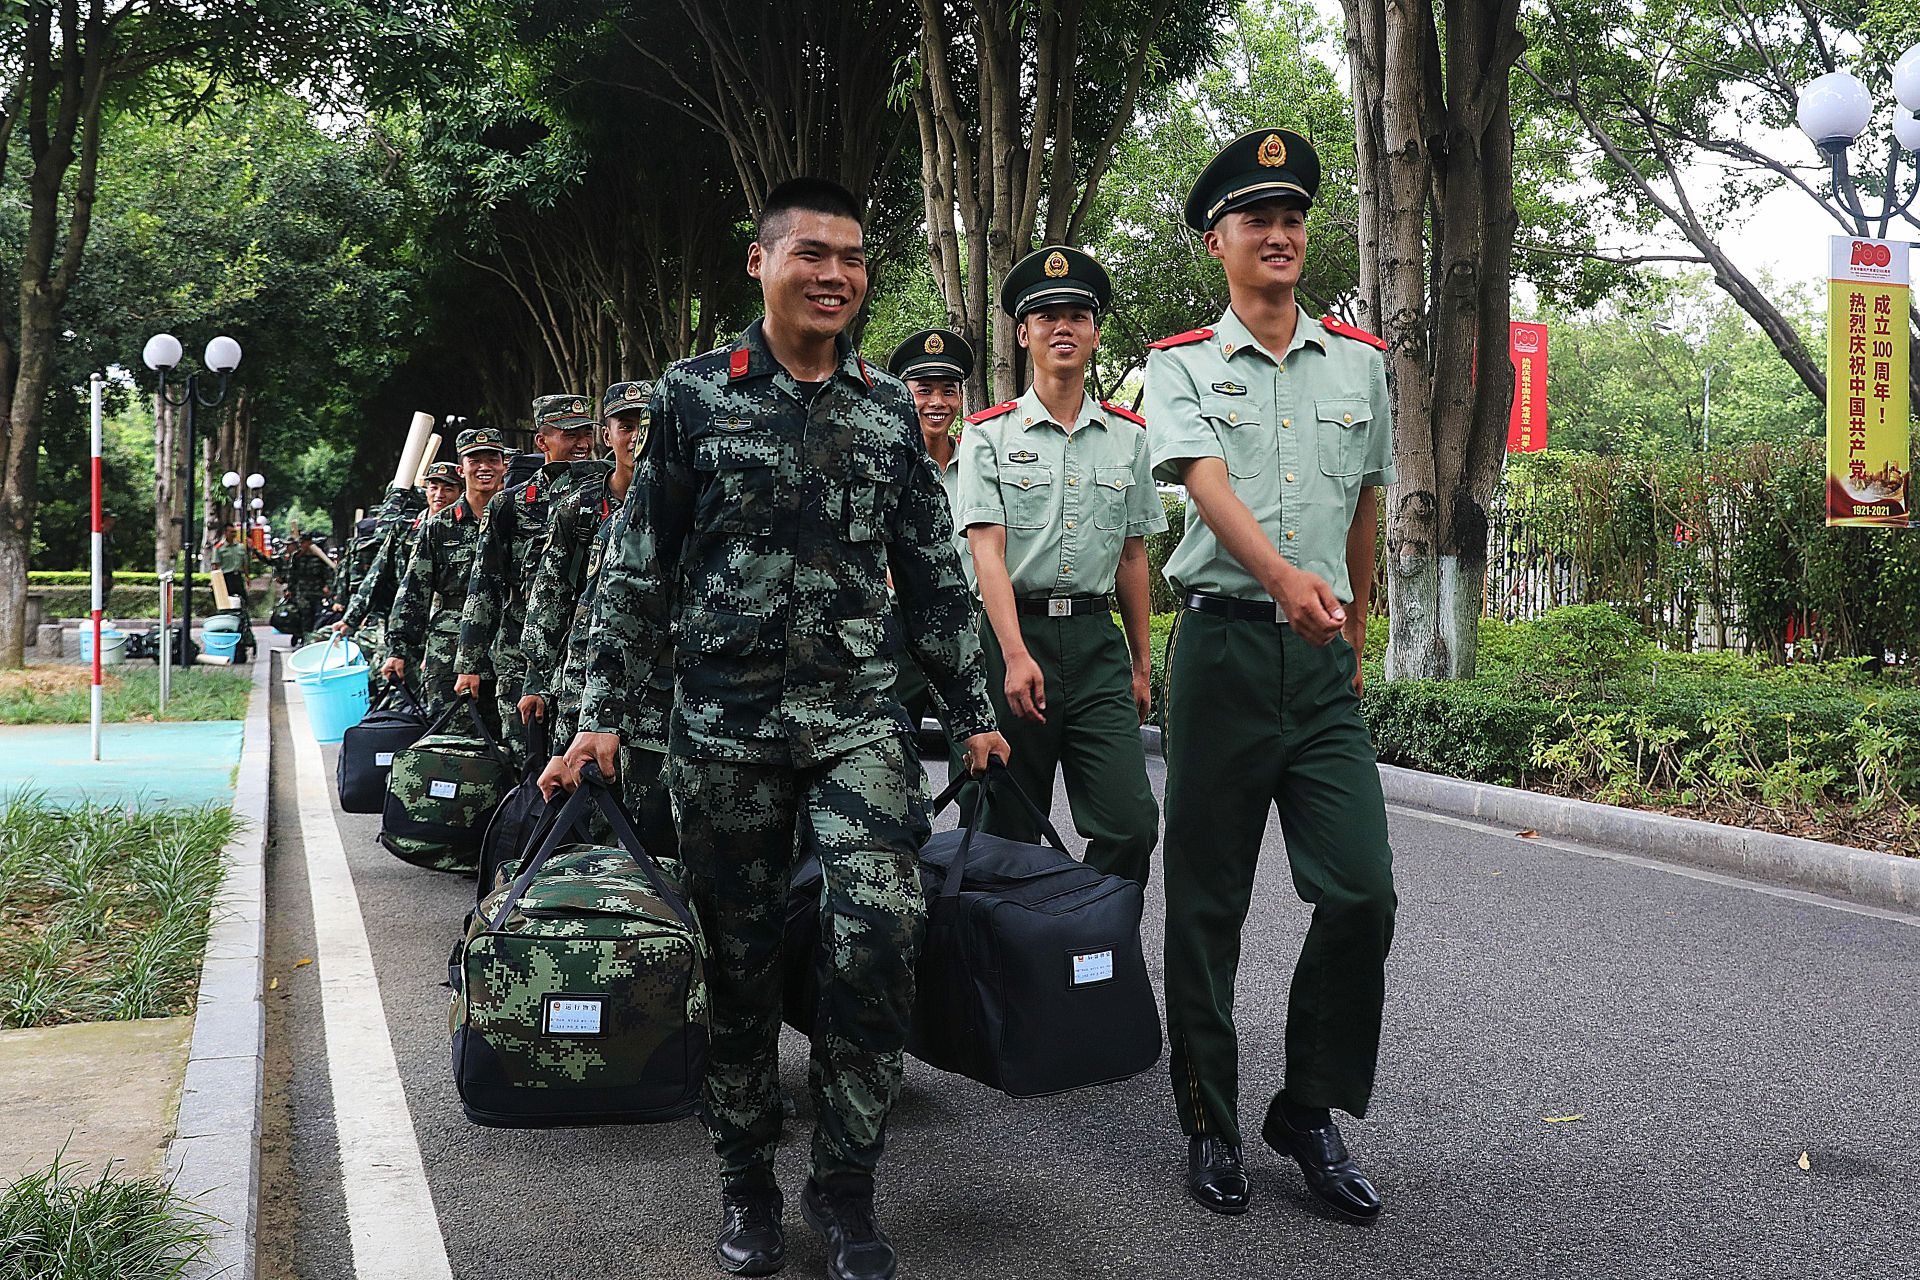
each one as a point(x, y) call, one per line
point(1705, 1032)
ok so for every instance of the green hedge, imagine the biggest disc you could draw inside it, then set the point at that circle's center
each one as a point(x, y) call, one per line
point(84, 578)
point(121, 602)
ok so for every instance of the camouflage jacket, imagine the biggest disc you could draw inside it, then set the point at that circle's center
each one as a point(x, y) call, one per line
point(306, 576)
point(756, 544)
point(644, 719)
point(374, 597)
point(434, 586)
point(511, 539)
point(554, 598)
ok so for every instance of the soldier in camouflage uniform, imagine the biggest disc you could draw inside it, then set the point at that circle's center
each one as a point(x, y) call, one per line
point(780, 477)
point(306, 573)
point(401, 519)
point(423, 628)
point(511, 539)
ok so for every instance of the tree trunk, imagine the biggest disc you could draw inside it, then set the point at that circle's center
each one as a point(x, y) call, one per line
point(166, 484)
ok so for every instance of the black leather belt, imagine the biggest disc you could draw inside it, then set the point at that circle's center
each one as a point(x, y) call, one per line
point(1063, 606)
point(1243, 610)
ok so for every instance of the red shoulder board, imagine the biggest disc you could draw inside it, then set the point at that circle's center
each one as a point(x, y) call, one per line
point(1334, 324)
point(987, 415)
point(419, 519)
point(1128, 414)
point(530, 492)
point(737, 366)
point(1181, 339)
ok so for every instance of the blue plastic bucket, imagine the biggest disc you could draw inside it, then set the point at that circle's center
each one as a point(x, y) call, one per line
point(335, 689)
point(112, 645)
point(324, 653)
point(219, 644)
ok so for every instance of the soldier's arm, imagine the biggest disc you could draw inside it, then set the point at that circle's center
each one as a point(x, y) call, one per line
point(407, 620)
point(628, 634)
point(934, 604)
point(362, 602)
point(550, 603)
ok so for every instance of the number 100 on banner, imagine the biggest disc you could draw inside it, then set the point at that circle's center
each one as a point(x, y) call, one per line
point(1868, 450)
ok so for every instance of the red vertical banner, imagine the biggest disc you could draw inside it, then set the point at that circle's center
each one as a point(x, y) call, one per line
point(1527, 423)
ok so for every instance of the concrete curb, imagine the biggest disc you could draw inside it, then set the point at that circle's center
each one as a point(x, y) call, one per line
point(215, 1153)
point(1882, 879)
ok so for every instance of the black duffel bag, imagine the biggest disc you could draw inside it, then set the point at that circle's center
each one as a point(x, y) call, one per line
point(1032, 980)
point(367, 749)
point(518, 815)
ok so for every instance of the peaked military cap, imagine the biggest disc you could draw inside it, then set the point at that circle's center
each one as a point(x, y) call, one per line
point(1055, 274)
point(624, 397)
point(932, 353)
point(446, 472)
point(476, 438)
point(562, 413)
point(1266, 164)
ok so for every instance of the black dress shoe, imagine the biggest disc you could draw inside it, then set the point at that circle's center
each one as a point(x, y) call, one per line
point(843, 1215)
point(1215, 1176)
point(752, 1241)
point(1323, 1158)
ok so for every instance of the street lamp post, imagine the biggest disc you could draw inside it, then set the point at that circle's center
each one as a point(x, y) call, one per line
point(1833, 111)
point(162, 354)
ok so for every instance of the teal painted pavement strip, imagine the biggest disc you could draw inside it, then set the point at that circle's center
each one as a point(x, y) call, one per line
point(169, 764)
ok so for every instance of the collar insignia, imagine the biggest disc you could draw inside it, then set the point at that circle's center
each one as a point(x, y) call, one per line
point(1272, 153)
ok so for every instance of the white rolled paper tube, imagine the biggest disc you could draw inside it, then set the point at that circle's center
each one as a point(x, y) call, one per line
point(417, 434)
point(427, 456)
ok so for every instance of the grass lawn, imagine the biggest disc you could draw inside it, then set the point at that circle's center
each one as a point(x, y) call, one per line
point(58, 694)
point(103, 912)
point(61, 1224)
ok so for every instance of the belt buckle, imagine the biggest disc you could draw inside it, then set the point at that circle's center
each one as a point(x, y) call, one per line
point(1059, 607)
point(1279, 615)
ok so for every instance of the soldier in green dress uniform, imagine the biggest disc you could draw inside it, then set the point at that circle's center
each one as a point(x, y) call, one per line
point(1057, 498)
point(1277, 424)
point(935, 364)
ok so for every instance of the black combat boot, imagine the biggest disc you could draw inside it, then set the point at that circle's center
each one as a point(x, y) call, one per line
point(842, 1212)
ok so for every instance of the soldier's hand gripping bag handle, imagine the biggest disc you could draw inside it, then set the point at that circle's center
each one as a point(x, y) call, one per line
point(997, 777)
point(595, 790)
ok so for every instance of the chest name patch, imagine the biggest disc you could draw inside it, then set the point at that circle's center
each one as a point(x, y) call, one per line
point(1229, 388)
point(1023, 455)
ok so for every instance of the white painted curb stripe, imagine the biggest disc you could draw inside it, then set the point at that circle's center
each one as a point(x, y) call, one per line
point(390, 1214)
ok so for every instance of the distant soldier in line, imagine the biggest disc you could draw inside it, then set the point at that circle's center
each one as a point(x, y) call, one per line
point(782, 476)
point(423, 628)
point(1278, 426)
point(306, 572)
point(558, 610)
point(401, 518)
point(935, 364)
point(514, 531)
point(1057, 498)
point(353, 565)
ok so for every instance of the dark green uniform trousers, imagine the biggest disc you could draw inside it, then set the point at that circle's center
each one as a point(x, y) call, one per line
point(866, 814)
point(1091, 736)
point(1257, 717)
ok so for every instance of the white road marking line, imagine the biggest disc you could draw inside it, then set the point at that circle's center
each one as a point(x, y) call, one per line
point(1801, 896)
point(391, 1219)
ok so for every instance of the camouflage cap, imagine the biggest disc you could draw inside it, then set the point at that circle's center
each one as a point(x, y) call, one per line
point(623, 397)
point(447, 472)
point(476, 438)
point(561, 413)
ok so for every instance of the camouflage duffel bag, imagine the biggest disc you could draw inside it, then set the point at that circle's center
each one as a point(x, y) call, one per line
point(580, 989)
point(442, 792)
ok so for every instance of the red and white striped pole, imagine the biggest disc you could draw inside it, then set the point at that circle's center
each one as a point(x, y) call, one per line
point(99, 567)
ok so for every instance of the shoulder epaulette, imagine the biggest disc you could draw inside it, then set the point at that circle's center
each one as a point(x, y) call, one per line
point(531, 493)
point(738, 362)
point(1334, 324)
point(1181, 339)
point(1128, 414)
point(987, 415)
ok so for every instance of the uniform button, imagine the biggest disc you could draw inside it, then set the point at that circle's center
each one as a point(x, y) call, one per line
point(1289, 477)
point(1233, 417)
point(1348, 418)
point(1072, 481)
point(1069, 524)
point(1066, 569)
point(1289, 535)
point(1026, 482)
point(1286, 422)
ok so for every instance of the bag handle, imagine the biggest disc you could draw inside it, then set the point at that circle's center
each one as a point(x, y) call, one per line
point(539, 748)
point(500, 753)
point(595, 790)
point(404, 688)
point(997, 775)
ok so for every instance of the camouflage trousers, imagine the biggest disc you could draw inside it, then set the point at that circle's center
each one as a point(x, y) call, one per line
point(509, 676)
point(436, 675)
point(864, 815)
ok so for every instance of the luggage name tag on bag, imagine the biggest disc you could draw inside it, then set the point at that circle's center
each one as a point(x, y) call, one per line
point(1092, 967)
point(571, 1015)
point(440, 789)
point(383, 759)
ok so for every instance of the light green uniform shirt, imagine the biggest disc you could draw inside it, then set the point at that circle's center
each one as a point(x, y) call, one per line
point(950, 485)
point(1302, 434)
point(1069, 499)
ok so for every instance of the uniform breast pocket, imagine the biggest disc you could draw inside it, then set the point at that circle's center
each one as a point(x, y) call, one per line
point(741, 483)
point(1245, 440)
point(1343, 428)
point(1026, 490)
point(871, 495)
point(1111, 485)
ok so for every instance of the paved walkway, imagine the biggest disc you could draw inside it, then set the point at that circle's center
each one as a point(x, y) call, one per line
point(1594, 1066)
point(102, 1090)
point(186, 763)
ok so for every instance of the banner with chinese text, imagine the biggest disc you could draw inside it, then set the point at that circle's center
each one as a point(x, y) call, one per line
point(1868, 452)
point(1527, 423)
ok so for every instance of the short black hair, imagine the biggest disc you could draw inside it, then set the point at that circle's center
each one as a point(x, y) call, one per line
point(803, 195)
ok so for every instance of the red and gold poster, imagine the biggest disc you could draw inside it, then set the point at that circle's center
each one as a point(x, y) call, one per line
point(1527, 423)
point(1868, 450)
